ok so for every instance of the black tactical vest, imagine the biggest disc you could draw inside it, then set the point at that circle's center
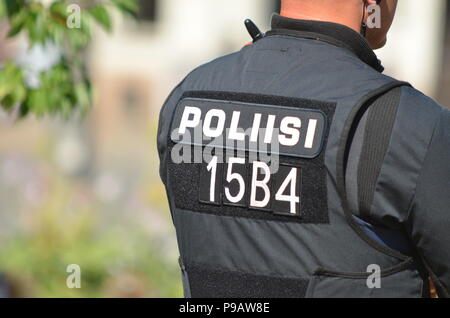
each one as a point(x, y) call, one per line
point(254, 149)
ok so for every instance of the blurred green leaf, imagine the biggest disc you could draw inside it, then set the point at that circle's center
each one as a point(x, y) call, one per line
point(12, 90)
point(102, 16)
point(13, 7)
point(62, 89)
point(83, 95)
point(37, 101)
point(130, 7)
point(17, 23)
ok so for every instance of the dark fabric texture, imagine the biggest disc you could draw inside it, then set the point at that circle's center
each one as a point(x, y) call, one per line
point(332, 33)
point(345, 139)
point(327, 107)
point(270, 248)
point(314, 209)
point(325, 285)
point(351, 175)
point(429, 217)
point(213, 283)
point(380, 122)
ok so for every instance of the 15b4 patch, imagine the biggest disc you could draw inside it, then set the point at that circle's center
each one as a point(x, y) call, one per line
point(251, 185)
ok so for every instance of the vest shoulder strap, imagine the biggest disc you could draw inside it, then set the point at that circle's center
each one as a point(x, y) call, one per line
point(377, 133)
point(382, 105)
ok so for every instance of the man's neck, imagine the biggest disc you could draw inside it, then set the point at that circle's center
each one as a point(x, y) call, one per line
point(345, 15)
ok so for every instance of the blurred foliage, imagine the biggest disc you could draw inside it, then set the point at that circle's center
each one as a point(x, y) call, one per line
point(65, 87)
point(120, 260)
point(119, 255)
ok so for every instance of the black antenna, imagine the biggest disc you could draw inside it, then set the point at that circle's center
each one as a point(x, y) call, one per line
point(253, 30)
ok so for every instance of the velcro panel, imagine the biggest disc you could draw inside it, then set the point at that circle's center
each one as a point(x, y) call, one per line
point(377, 135)
point(207, 283)
point(185, 178)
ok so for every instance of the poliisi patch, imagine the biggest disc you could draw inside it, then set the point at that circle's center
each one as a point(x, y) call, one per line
point(223, 159)
point(284, 130)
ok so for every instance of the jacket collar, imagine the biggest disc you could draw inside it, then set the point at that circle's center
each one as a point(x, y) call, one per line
point(333, 33)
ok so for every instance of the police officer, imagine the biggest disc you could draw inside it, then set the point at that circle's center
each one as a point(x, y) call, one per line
point(295, 168)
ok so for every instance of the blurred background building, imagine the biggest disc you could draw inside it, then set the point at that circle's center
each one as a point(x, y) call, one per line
point(88, 191)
